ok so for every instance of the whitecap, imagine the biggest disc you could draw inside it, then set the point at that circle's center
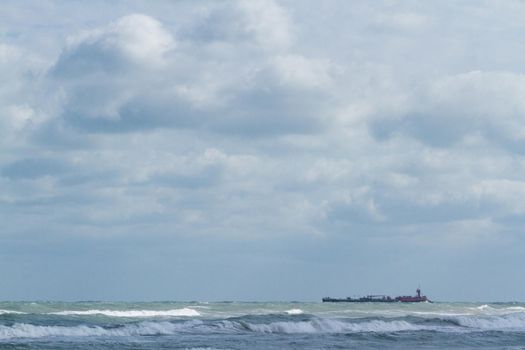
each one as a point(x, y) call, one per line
point(510, 321)
point(184, 312)
point(294, 312)
point(336, 326)
point(3, 312)
point(515, 308)
point(24, 330)
point(483, 307)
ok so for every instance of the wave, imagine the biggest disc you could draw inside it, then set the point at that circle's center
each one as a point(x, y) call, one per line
point(484, 307)
point(512, 321)
point(516, 308)
point(185, 312)
point(294, 312)
point(337, 326)
point(454, 324)
point(24, 330)
point(4, 312)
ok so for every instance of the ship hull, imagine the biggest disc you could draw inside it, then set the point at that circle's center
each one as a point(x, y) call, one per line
point(418, 298)
point(336, 300)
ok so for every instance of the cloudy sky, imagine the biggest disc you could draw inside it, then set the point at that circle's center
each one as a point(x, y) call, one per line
point(261, 150)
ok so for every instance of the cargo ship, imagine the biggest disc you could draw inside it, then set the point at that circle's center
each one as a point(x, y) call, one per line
point(381, 299)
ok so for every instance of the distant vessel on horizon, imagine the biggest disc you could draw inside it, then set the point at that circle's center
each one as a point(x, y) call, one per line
point(381, 299)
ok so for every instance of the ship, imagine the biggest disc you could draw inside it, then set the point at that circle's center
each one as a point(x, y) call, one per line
point(381, 299)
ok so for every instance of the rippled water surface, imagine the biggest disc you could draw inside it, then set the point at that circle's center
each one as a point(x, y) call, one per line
point(174, 325)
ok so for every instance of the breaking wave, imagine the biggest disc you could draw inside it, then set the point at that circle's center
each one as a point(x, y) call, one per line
point(335, 326)
point(24, 330)
point(458, 323)
point(294, 312)
point(185, 312)
point(4, 312)
point(484, 307)
point(511, 321)
point(516, 308)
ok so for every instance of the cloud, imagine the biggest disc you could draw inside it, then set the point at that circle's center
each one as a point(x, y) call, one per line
point(102, 69)
point(21, 107)
point(32, 168)
point(134, 41)
point(129, 76)
point(260, 25)
point(237, 84)
point(403, 20)
point(462, 109)
point(268, 23)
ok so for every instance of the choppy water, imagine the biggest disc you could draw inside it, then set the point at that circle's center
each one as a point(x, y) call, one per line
point(172, 325)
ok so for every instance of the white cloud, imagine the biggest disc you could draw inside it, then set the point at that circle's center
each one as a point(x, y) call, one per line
point(17, 118)
point(467, 109)
point(268, 23)
point(128, 76)
point(137, 38)
point(299, 71)
point(484, 100)
point(505, 194)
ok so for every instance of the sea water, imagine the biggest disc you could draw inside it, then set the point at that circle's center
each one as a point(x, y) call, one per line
point(258, 325)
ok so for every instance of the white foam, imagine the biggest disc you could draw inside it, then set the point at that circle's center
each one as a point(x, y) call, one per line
point(436, 314)
point(185, 312)
point(515, 308)
point(294, 312)
point(484, 307)
point(3, 312)
point(24, 330)
point(335, 326)
point(511, 321)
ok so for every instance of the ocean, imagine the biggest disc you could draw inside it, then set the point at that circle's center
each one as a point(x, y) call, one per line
point(260, 325)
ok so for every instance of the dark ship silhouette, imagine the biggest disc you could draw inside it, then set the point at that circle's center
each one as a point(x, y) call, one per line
point(381, 299)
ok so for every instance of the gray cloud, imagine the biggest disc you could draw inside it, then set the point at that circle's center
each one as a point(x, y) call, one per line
point(33, 168)
point(110, 86)
point(463, 109)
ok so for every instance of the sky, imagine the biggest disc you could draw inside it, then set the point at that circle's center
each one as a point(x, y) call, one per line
point(261, 150)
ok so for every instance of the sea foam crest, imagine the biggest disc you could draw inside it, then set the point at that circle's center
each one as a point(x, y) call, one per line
point(334, 326)
point(24, 330)
point(515, 308)
point(184, 312)
point(147, 328)
point(4, 312)
point(510, 321)
point(294, 312)
point(484, 307)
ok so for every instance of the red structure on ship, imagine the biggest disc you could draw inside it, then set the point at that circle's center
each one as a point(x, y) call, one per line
point(412, 299)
